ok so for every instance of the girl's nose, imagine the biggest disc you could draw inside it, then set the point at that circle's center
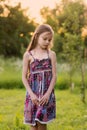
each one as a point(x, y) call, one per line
point(47, 42)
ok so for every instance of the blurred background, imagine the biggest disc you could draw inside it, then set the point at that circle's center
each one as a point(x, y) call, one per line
point(18, 20)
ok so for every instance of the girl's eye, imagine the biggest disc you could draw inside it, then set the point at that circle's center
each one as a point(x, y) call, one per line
point(49, 40)
point(44, 38)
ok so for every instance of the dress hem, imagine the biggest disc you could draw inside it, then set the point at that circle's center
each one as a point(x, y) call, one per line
point(42, 122)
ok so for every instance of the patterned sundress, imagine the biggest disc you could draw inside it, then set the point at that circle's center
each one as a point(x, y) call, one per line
point(39, 80)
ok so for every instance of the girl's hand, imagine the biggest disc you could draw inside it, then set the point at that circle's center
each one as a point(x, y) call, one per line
point(44, 99)
point(34, 99)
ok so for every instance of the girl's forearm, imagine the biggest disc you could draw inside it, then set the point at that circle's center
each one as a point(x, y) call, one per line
point(26, 84)
point(52, 84)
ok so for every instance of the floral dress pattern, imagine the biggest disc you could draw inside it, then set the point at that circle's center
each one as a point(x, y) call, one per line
point(39, 79)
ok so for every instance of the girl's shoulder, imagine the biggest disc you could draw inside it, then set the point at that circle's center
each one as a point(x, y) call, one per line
point(52, 54)
point(26, 55)
point(53, 57)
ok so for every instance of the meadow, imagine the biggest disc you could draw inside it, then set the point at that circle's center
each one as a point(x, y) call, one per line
point(71, 111)
point(11, 74)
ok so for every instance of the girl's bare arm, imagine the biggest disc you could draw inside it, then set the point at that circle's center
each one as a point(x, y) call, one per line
point(54, 72)
point(24, 72)
point(24, 78)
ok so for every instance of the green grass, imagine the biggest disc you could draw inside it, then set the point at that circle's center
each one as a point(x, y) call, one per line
point(10, 73)
point(10, 69)
point(71, 112)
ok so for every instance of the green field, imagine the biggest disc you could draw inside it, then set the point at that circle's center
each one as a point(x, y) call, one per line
point(71, 112)
point(11, 74)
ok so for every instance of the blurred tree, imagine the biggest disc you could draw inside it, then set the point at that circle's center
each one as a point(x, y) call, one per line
point(67, 20)
point(15, 30)
point(73, 20)
point(68, 17)
point(49, 16)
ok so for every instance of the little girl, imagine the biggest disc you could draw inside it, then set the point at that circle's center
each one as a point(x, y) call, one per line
point(39, 78)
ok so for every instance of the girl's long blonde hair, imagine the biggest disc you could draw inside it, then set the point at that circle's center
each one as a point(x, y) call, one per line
point(40, 29)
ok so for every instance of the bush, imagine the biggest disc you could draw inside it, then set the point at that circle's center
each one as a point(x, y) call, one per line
point(11, 84)
point(62, 83)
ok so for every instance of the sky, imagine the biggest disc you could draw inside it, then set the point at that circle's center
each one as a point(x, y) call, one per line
point(35, 6)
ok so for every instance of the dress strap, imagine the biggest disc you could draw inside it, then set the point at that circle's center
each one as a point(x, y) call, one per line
point(31, 55)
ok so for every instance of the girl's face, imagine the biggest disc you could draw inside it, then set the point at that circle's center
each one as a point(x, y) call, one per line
point(44, 40)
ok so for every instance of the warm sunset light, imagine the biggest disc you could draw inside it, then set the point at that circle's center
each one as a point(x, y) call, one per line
point(35, 6)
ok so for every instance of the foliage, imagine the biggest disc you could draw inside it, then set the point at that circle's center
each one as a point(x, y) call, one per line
point(70, 19)
point(15, 30)
point(67, 19)
point(58, 46)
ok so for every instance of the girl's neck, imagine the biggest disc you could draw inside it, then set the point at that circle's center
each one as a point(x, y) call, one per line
point(40, 50)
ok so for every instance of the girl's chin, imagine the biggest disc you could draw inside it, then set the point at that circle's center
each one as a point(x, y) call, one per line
point(44, 47)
